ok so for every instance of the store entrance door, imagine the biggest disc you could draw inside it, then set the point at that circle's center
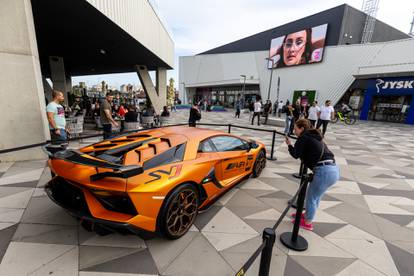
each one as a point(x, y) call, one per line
point(390, 108)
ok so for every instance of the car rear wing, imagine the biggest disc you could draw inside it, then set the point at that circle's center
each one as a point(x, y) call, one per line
point(80, 158)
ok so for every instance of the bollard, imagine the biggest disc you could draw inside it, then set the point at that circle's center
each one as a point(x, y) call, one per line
point(293, 240)
point(273, 147)
point(299, 175)
point(229, 128)
point(269, 237)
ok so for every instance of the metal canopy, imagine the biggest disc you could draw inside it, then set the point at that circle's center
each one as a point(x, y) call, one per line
point(89, 42)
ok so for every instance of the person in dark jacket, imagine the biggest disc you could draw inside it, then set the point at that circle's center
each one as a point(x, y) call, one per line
point(296, 115)
point(315, 154)
point(165, 112)
point(131, 115)
point(195, 115)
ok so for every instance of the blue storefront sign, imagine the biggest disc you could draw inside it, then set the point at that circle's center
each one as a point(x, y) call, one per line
point(389, 87)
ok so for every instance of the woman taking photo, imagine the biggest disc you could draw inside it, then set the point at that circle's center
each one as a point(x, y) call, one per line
point(315, 155)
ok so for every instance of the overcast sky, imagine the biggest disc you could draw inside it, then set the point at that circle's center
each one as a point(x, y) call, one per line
point(200, 25)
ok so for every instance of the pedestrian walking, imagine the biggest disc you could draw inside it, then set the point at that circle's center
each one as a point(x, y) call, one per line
point(279, 108)
point(296, 115)
point(288, 119)
point(237, 106)
point(195, 115)
point(256, 111)
point(267, 109)
point(326, 114)
point(313, 114)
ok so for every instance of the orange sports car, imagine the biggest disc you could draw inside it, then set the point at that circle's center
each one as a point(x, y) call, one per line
point(153, 181)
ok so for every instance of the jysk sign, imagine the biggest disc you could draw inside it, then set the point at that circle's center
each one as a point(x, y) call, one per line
point(383, 85)
point(389, 87)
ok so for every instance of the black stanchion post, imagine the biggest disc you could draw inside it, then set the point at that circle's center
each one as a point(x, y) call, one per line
point(229, 128)
point(269, 237)
point(299, 175)
point(273, 147)
point(295, 204)
point(293, 240)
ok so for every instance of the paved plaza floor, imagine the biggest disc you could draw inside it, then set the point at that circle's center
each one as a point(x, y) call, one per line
point(364, 226)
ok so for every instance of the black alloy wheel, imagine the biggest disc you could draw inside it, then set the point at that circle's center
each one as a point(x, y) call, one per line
point(179, 211)
point(259, 164)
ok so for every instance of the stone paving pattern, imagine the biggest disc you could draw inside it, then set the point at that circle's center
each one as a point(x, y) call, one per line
point(365, 224)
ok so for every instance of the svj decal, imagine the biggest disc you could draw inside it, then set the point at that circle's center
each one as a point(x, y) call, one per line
point(171, 173)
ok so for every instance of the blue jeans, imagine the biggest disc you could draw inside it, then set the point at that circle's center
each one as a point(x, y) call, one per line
point(107, 131)
point(288, 120)
point(58, 139)
point(323, 178)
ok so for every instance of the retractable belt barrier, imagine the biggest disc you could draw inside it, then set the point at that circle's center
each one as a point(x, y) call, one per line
point(291, 240)
point(274, 132)
point(77, 138)
point(229, 127)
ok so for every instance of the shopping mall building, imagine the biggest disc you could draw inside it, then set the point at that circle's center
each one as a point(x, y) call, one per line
point(376, 78)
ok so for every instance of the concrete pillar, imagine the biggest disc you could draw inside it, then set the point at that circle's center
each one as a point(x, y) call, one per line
point(161, 79)
point(68, 84)
point(48, 89)
point(183, 93)
point(58, 76)
point(157, 95)
point(22, 104)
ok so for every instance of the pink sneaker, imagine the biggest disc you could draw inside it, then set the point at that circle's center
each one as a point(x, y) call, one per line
point(304, 225)
point(293, 215)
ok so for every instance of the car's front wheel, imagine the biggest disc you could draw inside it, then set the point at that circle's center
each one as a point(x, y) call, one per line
point(259, 164)
point(179, 211)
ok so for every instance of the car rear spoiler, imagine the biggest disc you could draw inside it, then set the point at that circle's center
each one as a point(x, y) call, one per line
point(80, 158)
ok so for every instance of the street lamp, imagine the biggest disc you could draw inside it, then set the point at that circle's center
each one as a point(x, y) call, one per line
point(244, 83)
point(271, 75)
point(278, 88)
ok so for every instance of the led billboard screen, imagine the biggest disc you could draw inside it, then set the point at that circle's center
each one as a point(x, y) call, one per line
point(302, 47)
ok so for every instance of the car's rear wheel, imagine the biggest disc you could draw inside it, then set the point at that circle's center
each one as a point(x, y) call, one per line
point(179, 211)
point(259, 164)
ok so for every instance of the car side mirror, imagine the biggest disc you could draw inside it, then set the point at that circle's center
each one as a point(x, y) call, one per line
point(249, 146)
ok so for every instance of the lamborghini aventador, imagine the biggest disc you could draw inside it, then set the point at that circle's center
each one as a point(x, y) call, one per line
point(154, 180)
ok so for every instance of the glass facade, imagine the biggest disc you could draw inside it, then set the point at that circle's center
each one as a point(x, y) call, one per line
point(226, 95)
point(390, 108)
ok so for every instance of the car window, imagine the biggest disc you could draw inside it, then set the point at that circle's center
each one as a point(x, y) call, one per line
point(228, 143)
point(206, 146)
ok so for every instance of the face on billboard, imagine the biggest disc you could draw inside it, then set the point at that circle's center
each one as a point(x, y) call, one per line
point(302, 47)
point(294, 48)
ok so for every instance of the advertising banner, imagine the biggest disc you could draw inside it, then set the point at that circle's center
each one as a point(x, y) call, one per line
point(302, 47)
point(305, 96)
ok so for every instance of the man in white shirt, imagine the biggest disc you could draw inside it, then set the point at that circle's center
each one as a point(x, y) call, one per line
point(313, 113)
point(326, 114)
point(256, 111)
point(279, 108)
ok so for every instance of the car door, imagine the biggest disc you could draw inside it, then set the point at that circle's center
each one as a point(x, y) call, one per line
point(208, 153)
point(233, 154)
